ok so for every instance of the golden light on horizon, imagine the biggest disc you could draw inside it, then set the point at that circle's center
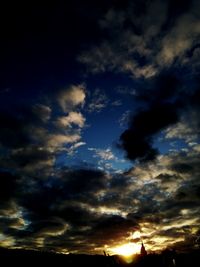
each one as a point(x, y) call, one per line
point(126, 249)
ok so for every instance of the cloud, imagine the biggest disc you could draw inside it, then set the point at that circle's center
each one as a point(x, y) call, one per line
point(105, 154)
point(8, 186)
point(32, 158)
point(83, 206)
point(116, 103)
point(31, 138)
point(182, 37)
point(128, 47)
point(57, 140)
point(123, 90)
point(124, 119)
point(167, 106)
point(115, 227)
point(73, 149)
point(79, 144)
point(42, 111)
point(175, 218)
point(141, 43)
point(52, 227)
point(73, 118)
point(7, 241)
point(98, 101)
point(29, 145)
point(186, 129)
point(72, 97)
point(13, 133)
point(137, 140)
point(107, 58)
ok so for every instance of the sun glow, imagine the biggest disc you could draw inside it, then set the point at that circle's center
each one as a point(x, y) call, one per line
point(127, 249)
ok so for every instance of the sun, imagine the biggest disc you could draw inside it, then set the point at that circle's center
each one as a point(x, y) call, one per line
point(126, 250)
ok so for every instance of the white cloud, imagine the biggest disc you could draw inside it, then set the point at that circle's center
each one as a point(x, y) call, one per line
point(72, 97)
point(56, 140)
point(73, 117)
point(105, 154)
point(79, 144)
point(73, 148)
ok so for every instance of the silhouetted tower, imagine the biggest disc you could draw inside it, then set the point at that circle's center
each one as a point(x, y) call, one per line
point(143, 251)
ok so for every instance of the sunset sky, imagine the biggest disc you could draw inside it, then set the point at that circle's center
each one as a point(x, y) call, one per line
point(100, 125)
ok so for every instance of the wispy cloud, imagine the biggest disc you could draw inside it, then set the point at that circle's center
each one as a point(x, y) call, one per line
point(105, 154)
point(116, 103)
point(144, 49)
point(124, 119)
point(186, 129)
point(98, 101)
point(74, 147)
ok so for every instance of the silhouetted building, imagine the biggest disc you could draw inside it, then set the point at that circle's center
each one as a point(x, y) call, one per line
point(143, 251)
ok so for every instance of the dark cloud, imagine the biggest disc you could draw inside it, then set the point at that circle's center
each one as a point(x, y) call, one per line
point(119, 182)
point(182, 167)
point(8, 186)
point(30, 141)
point(31, 159)
point(83, 181)
point(13, 131)
point(19, 125)
point(60, 214)
point(189, 193)
point(67, 198)
point(167, 100)
point(166, 178)
point(179, 7)
point(137, 140)
point(114, 228)
point(161, 96)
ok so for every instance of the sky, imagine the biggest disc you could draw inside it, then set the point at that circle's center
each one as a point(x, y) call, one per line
point(100, 128)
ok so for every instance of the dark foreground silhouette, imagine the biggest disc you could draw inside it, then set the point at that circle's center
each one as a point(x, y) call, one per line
point(11, 257)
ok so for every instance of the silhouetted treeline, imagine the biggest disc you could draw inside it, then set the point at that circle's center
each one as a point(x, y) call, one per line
point(12, 257)
point(22, 258)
